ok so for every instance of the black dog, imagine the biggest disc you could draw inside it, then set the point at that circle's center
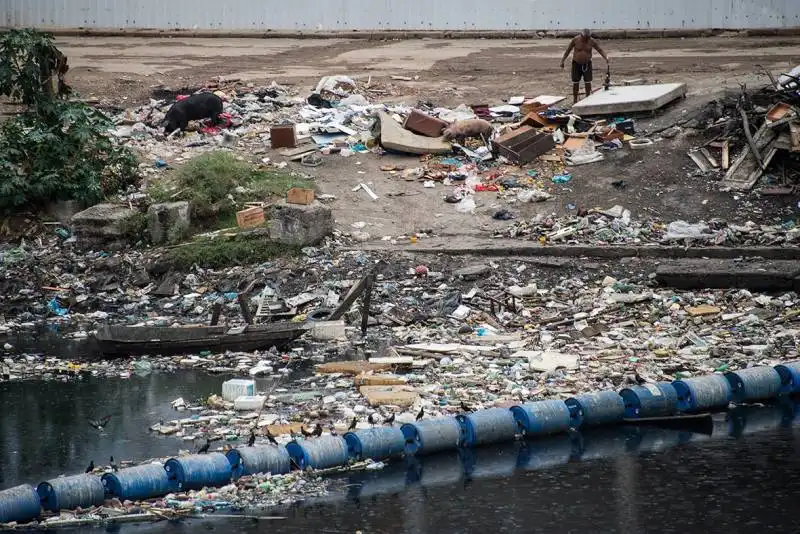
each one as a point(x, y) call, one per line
point(195, 108)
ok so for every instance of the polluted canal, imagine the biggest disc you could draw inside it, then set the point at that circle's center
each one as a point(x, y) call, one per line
point(738, 474)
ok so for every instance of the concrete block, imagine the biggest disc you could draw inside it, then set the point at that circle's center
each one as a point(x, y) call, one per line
point(168, 223)
point(395, 137)
point(295, 224)
point(101, 224)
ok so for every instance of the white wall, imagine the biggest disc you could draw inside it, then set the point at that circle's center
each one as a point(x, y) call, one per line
point(309, 15)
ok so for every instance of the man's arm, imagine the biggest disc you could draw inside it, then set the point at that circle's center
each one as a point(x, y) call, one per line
point(596, 46)
point(566, 54)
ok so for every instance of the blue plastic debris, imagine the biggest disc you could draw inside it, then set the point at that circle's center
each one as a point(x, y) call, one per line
point(56, 309)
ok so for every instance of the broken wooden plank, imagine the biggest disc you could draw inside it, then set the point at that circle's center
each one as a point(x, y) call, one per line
point(726, 151)
point(745, 171)
point(756, 150)
point(378, 380)
point(709, 157)
point(403, 396)
point(794, 132)
point(354, 367)
point(349, 299)
point(392, 360)
point(699, 160)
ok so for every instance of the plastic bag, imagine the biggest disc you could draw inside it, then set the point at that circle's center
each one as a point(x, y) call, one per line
point(683, 230)
point(467, 205)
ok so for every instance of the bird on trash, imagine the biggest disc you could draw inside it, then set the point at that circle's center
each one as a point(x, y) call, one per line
point(465, 407)
point(91, 467)
point(353, 424)
point(317, 431)
point(100, 424)
point(271, 438)
point(421, 413)
point(371, 419)
point(332, 429)
point(306, 433)
point(113, 465)
point(204, 448)
point(252, 440)
point(389, 420)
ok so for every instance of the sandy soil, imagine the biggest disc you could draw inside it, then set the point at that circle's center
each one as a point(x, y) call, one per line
point(660, 181)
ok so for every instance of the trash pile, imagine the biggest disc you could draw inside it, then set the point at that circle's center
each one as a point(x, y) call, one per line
point(487, 348)
point(614, 226)
point(763, 127)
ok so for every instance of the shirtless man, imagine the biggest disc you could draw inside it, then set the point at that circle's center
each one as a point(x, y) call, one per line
point(582, 61)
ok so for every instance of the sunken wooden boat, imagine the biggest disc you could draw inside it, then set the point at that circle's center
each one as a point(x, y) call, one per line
point(123, 340)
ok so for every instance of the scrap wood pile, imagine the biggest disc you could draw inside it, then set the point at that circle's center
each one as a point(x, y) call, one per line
point(763, 128)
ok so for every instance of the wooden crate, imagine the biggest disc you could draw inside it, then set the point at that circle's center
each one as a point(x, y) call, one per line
point(283, 136)
point(298, 195)
point(524, 145)
point(250, 217)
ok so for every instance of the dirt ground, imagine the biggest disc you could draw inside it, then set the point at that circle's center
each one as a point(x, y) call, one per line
point(661, 181)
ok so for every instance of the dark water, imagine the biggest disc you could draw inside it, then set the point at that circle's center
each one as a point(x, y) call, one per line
point(744, 477)
point(44, 430)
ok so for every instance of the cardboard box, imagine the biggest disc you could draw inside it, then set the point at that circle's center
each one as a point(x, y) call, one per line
point(524, 144)
point(283, 136)
point(250, 217)
point(298, 195)
point(423, 124)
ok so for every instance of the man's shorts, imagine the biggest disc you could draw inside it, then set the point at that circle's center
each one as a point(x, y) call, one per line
point(581, 71)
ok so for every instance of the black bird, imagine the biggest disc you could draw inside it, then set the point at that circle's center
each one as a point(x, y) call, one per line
point(332, 429)
point(353, 424)
point(306, 433)
point(371, 419)
point(113, 465)
point(465, 407)
point(317, 431)
point(389, 420)
point(91, 467)
point(271, 438)
point(252, 440)
point(100, 424)
point(204, 448)
point(421, 413)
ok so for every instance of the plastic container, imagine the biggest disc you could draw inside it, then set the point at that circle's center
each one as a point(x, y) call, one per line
point(20, 503)
point(703, 393)
point(319, 453)
point(68, 493)
point(790, 377)
point(602, 408)
point(650, 400)
point(261, 459)
point(754, 384)
point(375, 443)
point(238, 387)
point(431, 435)
point(198, 471)
point(484, 427)
point(541, 418)
point(137, 483)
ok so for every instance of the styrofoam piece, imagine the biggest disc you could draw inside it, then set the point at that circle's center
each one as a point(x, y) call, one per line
point(238, 387)
point(247, 403)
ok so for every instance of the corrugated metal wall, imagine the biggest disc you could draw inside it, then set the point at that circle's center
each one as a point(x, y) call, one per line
point(401, 14)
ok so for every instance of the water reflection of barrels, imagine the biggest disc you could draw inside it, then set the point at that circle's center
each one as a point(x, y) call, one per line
point(547, 452)
point(390, 480)
point(642, 439)
point(435, 470)
point(494, 462)
point(600, 443)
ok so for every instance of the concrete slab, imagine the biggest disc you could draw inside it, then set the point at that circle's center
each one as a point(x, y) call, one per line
point(764, 275)
point(630, 99)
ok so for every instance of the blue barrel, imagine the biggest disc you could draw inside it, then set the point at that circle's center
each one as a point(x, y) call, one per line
point(547, 452)
point(375, 443)
point(790, 377)
point(650, 400)
point(542, 417)
point(431, 435)
point(602, 408)
point(495, 425)
point(68, 493)
point(754, 384)
point(198, 471)
point(260, 459)
point(319, 453)
point(20, 503)
point(703, 393)
point(138, 483)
